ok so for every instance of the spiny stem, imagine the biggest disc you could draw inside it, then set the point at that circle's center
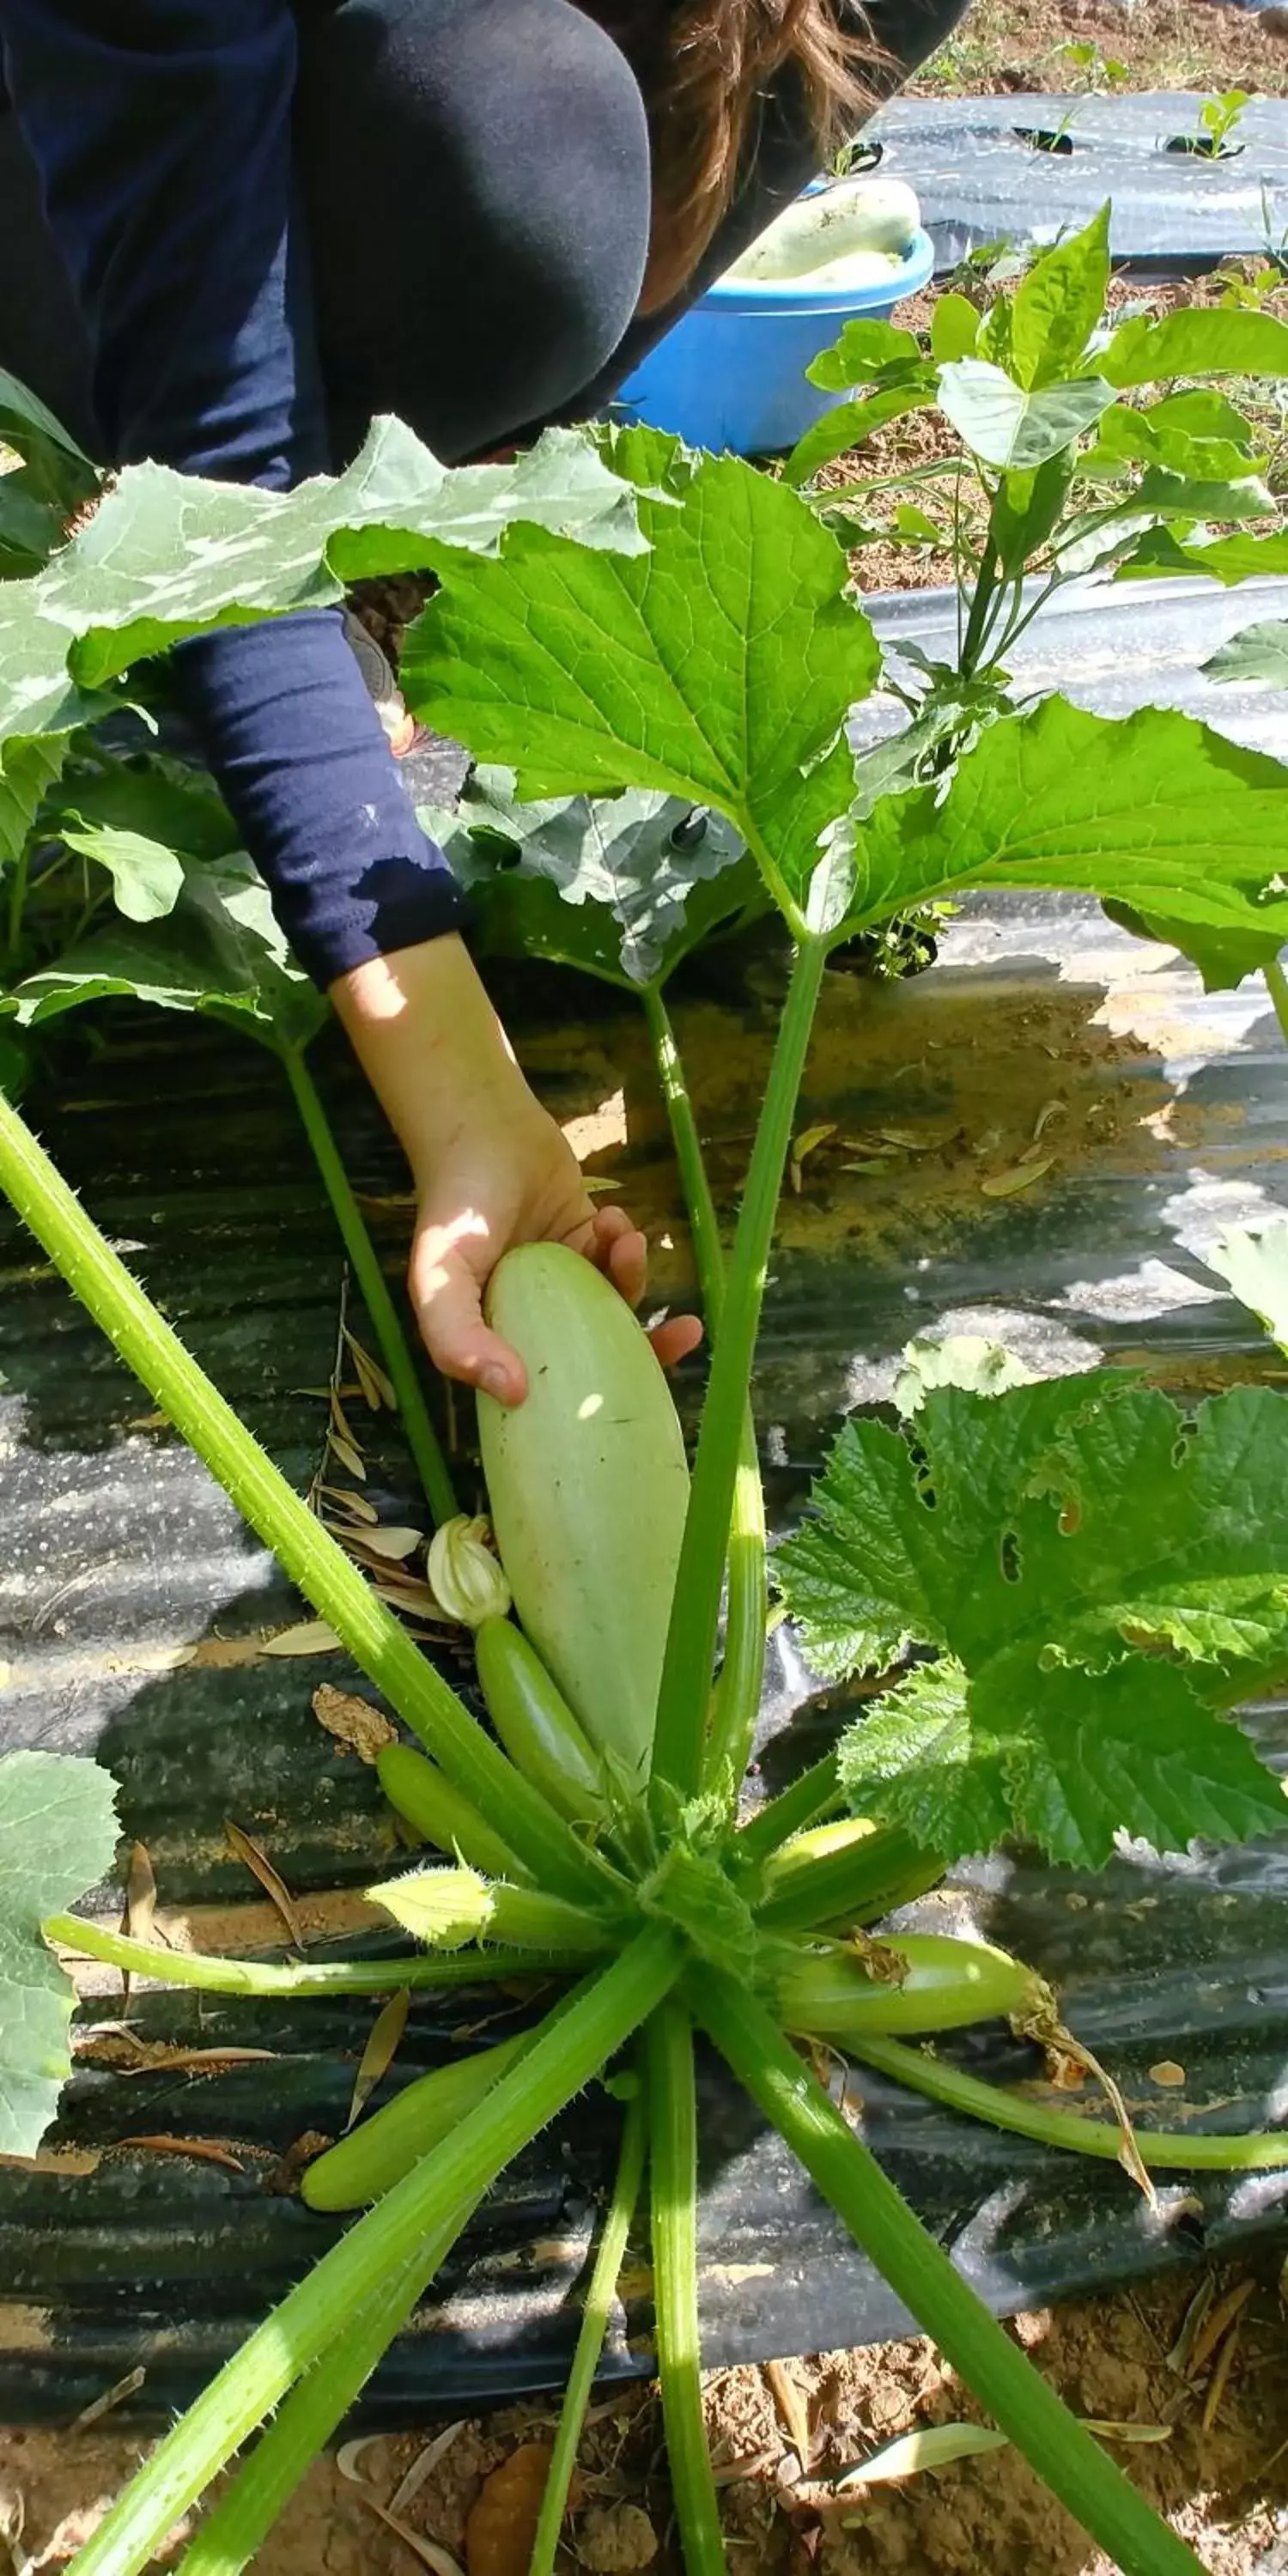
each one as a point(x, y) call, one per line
point(690, 1649)
point(1160, 2149)
point(568, 2052)
point(422, 1439)
point(809, 1801)
point(308, 1554)
point(217, 1976)
point(590, 2340)
point(673, 2188)
point(736, 1703)
point(17, 905)
point(920, 2273)
point(316, 2407)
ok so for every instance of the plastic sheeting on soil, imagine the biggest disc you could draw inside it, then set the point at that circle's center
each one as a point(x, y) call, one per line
point(1032, 166)
point(131, 1600)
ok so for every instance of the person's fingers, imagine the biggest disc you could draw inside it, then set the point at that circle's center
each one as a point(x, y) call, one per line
point(674, 1339)
point(447, 1294)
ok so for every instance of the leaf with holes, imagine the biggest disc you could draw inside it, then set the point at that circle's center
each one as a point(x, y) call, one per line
point(1091, 1565)
point(628, 865)
point(57, 1837)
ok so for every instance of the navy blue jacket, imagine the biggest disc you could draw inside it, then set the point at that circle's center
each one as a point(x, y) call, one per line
point(162, 133)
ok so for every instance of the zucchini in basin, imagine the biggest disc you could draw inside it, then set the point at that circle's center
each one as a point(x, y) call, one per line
point(588, 1486)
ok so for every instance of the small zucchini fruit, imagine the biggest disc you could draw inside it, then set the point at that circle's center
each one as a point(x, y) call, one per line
point(382, 2149)
point(536, 1725)
point(927, 1981)
point(427, 1799)
point(588, 1487)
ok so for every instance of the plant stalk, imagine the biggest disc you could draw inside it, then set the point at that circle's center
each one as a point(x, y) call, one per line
point(673, 2194)
point(218, 1976)
point(920, 2273)
point(590, 2340)
point(1160, 2149)
point(309, 1555)
point(691, 1642)
point(230, 2536)
point(569, 2051)
point(810, 1800)
point(422, 1439)
point(736, 1700)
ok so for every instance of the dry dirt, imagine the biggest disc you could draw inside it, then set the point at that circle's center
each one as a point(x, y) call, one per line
point(1161, 44)
point(1210, 2450)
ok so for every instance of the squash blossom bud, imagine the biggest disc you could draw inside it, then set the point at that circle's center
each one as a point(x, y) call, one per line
point(467, 1580)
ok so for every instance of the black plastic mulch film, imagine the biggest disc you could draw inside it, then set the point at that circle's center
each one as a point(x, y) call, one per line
point(1032, 167)
point(1166, 1117)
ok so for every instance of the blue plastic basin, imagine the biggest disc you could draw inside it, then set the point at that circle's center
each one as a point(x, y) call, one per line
point(732, 372)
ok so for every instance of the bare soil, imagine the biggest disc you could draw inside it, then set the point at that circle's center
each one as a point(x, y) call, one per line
point(1199, 45)
point(1207, 2444)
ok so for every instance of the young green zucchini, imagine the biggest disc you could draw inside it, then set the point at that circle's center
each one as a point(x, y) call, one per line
point(536, 1725)
point(377, 2154)
point(430, 1801)
point(588, 1487)
point(944, 1984)
point(850, 1871)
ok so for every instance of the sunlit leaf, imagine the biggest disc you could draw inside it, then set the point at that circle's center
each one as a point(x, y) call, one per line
point(57, 1837)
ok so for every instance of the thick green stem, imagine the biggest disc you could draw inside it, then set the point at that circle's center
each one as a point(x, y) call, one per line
point(590, 2340)
point(1161, 2150)
point(378, 2248)
point(673, 2195)
point(316, 2407)
point(809, 1801)
point(736, 1702)
point(1277, 988)
point(327, 1977)
point(309, 1555)
point(920, 2273)
point(422, 1439)
point(679, 1743)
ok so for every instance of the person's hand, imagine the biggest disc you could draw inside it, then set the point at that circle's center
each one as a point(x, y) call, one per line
point(490, 1165)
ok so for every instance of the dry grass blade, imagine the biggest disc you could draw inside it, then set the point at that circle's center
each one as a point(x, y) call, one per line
point(1107, 2432)
point(1179, 2358)
point(1224, 2365)
point(307, 1637)
point(348, 1456)
point(424, 2465)
point(1006, 1185)
point(356, 1506)
point(114, 2396)
point(275, 1888)
point(793, 2409)
point(380, 2051)
point(439, 2561)
point(352, 1721)
point(1217, 2322)
point(388, 1539)
point(141, 1898)
point(193, 2061)
point(936, 2446)
point(204, 2151)
point(808, 1142)
point(375, 1386)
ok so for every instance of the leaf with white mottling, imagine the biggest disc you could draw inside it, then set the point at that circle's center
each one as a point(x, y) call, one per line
point(57, 1836)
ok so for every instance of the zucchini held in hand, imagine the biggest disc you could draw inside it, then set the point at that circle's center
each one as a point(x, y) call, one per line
point(588, 1485)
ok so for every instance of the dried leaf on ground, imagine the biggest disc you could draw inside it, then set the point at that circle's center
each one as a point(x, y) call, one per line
point(380, 2051)
point(502, 2522)
point(352, 1721)
point(206, 2151)
point(306, 1637)
point(615, 2539)
point(275, 1888)
point(141, 1898)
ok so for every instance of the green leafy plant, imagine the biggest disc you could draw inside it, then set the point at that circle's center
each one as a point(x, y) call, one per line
point(677, 636)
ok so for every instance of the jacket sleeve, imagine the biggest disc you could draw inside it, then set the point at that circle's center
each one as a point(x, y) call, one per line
point(162, 133)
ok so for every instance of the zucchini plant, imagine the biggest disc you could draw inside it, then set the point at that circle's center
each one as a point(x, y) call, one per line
point(1074, 1585)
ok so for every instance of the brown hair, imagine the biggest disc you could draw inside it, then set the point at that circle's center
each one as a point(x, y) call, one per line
point(714, 61)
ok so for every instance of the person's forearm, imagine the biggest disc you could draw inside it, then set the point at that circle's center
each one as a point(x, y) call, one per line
point(430, 1044)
